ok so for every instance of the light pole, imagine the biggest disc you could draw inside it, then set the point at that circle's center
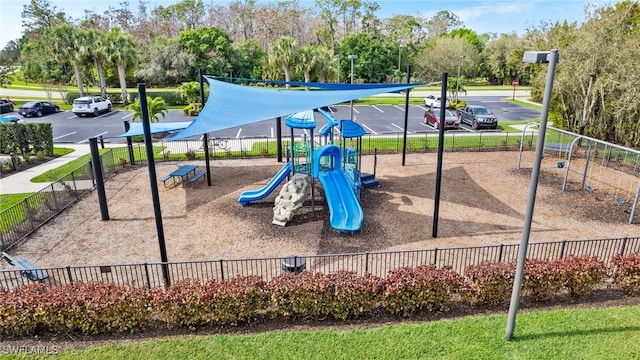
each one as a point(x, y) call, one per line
point(338, 68)
point(535, 57)
point(458, 78)
point(352, 57)
point(399, 57)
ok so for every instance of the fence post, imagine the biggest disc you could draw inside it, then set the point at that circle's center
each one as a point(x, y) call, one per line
point(366, 262)
point(221, 270)
point(69, 274)
point(623, 246)
point(53, 195)
point(562, 249)
point(500, 253)
point(146, 272)
point(435, 256)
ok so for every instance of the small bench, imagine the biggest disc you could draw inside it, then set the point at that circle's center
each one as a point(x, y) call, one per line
point(27, 268)
point(196, 177)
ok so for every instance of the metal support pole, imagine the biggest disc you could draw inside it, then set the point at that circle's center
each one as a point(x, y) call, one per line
point(552, 59)
point(406, 116)
point(97, 173)
point(153, 180)
point(132, 159)
point(436, 207)
point(205, 138)
point(279, 137)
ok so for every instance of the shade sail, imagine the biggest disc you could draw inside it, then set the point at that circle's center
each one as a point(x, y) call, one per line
point(9, 118)
point(230, 105)
point(136, 129)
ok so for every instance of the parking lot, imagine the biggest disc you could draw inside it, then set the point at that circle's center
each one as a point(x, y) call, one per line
point(375, 119)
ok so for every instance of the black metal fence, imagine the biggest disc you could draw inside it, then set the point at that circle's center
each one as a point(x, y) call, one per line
point(376, 263)
point(25, 217)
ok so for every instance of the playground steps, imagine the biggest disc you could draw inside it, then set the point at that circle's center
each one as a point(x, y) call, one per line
point(368, 180)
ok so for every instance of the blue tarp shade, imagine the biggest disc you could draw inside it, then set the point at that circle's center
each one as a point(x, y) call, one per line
point(9, 118)
point(232, 105)
point(328, 86)
point(135, 129)
point(301, 120)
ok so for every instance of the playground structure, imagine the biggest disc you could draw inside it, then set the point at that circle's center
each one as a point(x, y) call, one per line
point(583, 159)
point(336, 166)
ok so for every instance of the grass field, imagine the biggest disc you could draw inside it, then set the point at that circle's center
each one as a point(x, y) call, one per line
point(599, 333)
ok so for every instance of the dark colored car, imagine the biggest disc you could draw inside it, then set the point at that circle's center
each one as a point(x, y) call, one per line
point(432, 117)
point(37, 108)
point(5, 106)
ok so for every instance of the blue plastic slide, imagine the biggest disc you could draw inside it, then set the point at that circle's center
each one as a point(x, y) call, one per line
point(344, 208)
point(255, 195)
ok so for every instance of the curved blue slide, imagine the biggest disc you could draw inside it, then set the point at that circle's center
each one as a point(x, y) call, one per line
point(254, 195)
point(344, 209)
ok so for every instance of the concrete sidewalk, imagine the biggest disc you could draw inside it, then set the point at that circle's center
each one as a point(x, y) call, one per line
point(21, 182)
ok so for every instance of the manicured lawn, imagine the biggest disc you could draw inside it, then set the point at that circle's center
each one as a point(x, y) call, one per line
point(602, 333)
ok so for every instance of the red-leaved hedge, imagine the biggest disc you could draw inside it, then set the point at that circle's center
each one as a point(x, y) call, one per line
point(97, 308)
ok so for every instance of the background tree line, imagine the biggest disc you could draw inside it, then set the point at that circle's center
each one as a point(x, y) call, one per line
point(595, 92)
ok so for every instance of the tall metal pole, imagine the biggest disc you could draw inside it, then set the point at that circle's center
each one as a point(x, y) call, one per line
point(352, 57)
point(552, 59)
point(399, 57)
point(151, 163)
point(436, 207)
point(406, 117)
point(458, 78)
point(205, 138)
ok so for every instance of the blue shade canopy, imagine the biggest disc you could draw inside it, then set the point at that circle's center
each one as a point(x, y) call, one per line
point(301, 120)
point(9, 118)
point(350, 129)
point(135, 129)
point(231, 105)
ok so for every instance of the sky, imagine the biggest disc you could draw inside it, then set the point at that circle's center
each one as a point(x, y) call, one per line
point(482, 16)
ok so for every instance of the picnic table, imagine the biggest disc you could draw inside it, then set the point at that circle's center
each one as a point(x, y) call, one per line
point(180, 174)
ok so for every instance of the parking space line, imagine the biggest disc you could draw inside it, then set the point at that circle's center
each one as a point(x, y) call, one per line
point(377, 108)
point(400, 127)
point(369, 129)
point(87, 140)
point(238, 133)
point(72, 117)
point(61, 136)
point(399, 107)
point(127, 116)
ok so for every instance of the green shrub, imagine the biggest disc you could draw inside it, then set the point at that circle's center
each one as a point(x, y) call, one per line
point(172, 98)
point(625, 272)
point(490, 282)
point(542, 282)
point(581, 274)
point(407, 290)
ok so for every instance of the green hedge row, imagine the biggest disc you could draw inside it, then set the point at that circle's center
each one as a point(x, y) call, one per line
point(35, 137)
point(97, 308)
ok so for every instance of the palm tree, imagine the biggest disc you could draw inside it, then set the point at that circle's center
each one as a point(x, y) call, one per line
point(156, 107)
point(190, 90)
point(307, 56)
point(92, 48)
point(63, 48)
point(284, 54)
point(325, 64)
point(122, 52)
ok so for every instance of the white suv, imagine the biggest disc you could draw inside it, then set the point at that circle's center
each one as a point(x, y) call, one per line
point(91, 105)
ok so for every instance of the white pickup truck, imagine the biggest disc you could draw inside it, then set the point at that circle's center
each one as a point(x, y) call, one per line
point(91, 105)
